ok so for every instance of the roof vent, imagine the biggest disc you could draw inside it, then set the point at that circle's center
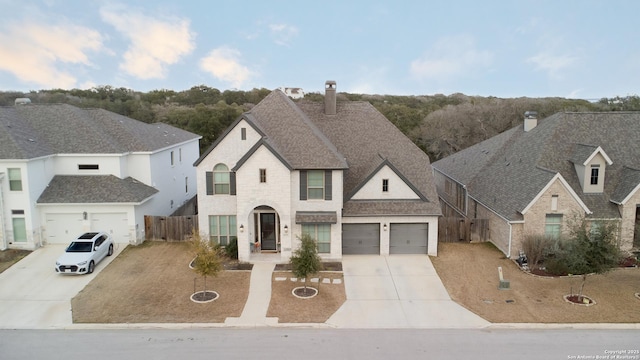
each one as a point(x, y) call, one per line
point(22, 101)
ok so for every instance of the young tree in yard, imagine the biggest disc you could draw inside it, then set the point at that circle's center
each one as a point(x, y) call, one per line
point(305, 260)
point(208, 260)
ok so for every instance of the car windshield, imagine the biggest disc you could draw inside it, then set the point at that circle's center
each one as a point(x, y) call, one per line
point(80, 246)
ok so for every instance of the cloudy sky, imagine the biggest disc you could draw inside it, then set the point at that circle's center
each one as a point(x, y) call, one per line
point(577, 49)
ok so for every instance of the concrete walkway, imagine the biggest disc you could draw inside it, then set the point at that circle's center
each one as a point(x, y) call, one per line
point(398, 291)
point(255, 309)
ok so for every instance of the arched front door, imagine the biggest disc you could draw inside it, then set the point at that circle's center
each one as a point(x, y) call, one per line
point(266, 228)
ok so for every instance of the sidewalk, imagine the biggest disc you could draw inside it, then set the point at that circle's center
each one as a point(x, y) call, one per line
point(255, 309)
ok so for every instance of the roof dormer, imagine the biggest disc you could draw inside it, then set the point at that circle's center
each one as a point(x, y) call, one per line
point(590, 163)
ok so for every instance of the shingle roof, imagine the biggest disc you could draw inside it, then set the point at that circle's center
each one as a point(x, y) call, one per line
point(292, 135)
point(524, 162)
point(367, 139)
point(93, 189)
point(358, 139)
point(34, 130)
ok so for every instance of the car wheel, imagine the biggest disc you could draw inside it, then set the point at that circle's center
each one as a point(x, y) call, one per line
point(110, 250)
point(91, 266)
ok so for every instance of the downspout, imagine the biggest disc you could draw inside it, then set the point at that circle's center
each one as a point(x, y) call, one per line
point(510, 236)
point(4, 245)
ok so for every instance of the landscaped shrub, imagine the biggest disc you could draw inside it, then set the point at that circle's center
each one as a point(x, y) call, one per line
point(232, 248)
point(534, 247)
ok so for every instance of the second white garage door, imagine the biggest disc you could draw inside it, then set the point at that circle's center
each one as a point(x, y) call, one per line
point(63, 228)
point(114, 224)
point(409, 238)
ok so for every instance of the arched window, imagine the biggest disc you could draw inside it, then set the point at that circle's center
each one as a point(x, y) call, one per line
point(221, 181)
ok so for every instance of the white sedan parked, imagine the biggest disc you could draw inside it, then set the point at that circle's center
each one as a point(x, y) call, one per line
point(82, 255)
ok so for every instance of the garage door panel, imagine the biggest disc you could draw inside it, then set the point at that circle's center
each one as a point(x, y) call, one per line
point(63, 228)
point(360, 239)
point(409, 238)
point(114, 224)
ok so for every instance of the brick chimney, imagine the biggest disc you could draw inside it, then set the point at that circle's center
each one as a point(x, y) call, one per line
point(330, 97)
point(530, 120)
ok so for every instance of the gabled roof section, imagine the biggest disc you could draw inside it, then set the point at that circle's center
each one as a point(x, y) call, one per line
point(385, 162)
point(523, 163)
point(583, 154)
point(559, 178)
point(289, 134)
point(254, 148)
point(248, 118)
point(95, 189)
point(35, 130)
point(293, 135)
point(361, 133)
point(628, 185)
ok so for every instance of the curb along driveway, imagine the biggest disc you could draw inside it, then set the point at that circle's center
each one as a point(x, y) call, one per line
point(398, 291)
point(34, 296)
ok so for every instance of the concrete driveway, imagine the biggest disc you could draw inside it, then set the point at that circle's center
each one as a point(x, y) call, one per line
point(398, 291)
point(34, 296)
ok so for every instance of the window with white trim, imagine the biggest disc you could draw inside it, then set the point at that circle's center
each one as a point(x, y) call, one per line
point(19, 226)
point(15, 179)
point(321, 233)
point(263, 175)
point(595, 173)
point(385, 185)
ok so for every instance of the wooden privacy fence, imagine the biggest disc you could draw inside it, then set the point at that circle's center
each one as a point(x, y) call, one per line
point(454, 229)
point(169, 228)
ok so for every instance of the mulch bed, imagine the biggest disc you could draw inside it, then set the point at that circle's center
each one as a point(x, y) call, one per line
point(11, 256)
point(326, 266)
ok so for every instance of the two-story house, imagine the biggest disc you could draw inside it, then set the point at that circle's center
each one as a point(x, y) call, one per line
point(338, 171)
point(537, 177)
point(66, 170)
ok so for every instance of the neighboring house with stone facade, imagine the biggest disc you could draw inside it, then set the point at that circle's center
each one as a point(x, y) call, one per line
point(66, 170)
point(339, 171)
point(533, 179)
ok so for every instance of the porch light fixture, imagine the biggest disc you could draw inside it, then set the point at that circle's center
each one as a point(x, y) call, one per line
point(286, 229)
point(241, 228)
point(384, 227)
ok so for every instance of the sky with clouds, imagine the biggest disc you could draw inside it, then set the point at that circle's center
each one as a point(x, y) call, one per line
point(576, 49)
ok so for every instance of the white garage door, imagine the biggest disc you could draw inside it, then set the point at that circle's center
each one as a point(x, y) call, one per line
point(62, 228)
point(360, 239)
point(409, 238)
point(114, 224)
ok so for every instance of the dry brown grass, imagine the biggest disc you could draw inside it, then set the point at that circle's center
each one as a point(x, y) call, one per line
point(152, 283)
point(9, 257)
point(470, 274)
point(290, 309)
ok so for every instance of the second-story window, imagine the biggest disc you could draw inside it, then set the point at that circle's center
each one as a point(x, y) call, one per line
point(221, 181)
point(243, 133)
point(315, 184)
point(263, 175)
point(385, 185)
point(172, 159)
point(15, 179)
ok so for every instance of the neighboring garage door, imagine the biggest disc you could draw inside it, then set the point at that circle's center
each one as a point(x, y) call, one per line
point(409, 238)
point(62, 228)
point(114, 224)
point(360, 239)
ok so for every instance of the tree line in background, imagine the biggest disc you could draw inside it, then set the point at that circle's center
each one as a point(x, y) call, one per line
point(439, 124)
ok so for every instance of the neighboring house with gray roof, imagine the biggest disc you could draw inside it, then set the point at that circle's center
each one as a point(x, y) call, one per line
point(533, 179)
point(66, 170)
point(339, 171)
